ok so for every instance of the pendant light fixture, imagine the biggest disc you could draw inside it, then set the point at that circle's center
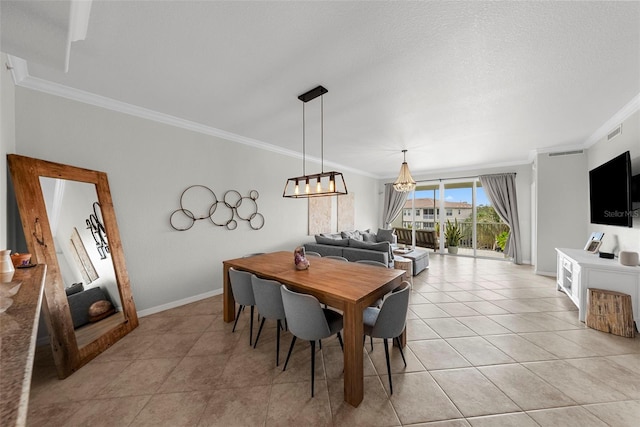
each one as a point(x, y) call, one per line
point(319, 184)
point(405, 182)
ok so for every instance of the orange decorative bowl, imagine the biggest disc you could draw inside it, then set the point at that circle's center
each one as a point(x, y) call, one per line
point(19, 260)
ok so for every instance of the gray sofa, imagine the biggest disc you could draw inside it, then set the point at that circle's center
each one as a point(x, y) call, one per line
point(80, 300)
point(356, 245)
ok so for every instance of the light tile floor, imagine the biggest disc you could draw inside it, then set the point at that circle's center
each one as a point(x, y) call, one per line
point(489, 344)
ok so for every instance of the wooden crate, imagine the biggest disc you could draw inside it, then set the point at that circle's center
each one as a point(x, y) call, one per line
point(610, 311)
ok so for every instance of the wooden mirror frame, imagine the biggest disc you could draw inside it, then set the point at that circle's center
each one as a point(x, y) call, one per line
point(26, 173)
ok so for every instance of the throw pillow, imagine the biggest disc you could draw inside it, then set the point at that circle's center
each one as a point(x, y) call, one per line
point(329, 241)
point(74, 289)
point(369, 237)
point(332, 235)
point(384, 235)
point(356, 235)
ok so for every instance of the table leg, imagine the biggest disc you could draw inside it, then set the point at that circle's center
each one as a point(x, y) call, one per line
point(353, 354)
point(229, 303)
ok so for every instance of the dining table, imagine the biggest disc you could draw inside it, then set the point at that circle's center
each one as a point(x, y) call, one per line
point(347, 286)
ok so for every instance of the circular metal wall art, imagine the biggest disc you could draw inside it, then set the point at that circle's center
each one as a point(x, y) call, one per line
point(221, 213)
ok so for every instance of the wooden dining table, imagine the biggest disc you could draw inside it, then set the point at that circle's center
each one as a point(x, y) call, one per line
point(347, 286)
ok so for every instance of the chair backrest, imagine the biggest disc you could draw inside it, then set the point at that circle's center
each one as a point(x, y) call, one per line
point(371, 262)
point(241, 287)
point(305, 317)
point(393, 314)
point(311, 253)
point(339, 258)
point(268, 297)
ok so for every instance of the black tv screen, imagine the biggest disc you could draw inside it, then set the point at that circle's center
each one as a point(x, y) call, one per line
point(610, 192)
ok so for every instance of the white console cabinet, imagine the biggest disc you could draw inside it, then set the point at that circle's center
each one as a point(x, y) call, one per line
point(579, 270)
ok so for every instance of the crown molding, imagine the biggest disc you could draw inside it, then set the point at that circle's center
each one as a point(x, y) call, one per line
point(22, 78)
point(622, 115)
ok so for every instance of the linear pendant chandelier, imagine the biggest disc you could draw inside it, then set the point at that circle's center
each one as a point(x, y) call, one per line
point(319, 184)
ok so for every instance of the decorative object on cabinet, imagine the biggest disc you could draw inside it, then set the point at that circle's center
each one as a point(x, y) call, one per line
point(20, 260)
point(593, 246)
point(628, 258)
point(323, 183)
point(239, 208)
point(6, 266)
point(594, 236)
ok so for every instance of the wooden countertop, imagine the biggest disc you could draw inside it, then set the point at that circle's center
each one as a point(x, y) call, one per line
point(18, 333)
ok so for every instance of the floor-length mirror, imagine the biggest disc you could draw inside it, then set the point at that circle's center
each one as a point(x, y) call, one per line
point(74, 232)
point(83, 255)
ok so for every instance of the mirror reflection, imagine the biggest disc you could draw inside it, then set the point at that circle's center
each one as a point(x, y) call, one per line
point(83, 256)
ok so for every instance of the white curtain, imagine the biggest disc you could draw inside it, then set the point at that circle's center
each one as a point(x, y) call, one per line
point(501, 190)
point(393, 203)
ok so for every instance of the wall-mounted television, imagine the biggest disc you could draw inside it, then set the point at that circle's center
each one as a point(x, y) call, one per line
point(610, 192)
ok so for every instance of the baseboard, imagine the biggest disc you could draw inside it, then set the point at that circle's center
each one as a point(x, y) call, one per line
point(178, 303)
point(546, 273)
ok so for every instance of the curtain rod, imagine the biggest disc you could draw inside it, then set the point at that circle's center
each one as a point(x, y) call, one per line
point(467, 177)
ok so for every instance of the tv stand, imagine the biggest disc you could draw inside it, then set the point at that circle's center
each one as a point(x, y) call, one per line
point(579, 270)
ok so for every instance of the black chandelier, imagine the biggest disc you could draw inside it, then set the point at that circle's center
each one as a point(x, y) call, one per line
point(319, 184)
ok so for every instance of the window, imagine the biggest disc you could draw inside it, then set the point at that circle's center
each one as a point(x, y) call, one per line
point(449, 212)
point(417, 212)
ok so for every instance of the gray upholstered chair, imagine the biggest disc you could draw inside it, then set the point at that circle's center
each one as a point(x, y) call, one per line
point(269, 302)
point(336, 257)
point(311, 253)
point(371, 262)
point(389, 321)
point(310, 322)
point(243, 294)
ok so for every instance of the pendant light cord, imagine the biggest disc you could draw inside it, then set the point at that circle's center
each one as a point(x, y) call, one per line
point(322, 133)
point(303, 142)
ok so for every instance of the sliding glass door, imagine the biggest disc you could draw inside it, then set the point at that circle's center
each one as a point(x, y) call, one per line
point(459, 206)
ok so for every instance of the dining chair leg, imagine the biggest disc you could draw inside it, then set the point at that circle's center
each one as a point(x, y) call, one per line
point(313, 364)
point(386, 353)
point(251, 327)
point(237, 317)
point(340, 341)
point(401, 352)
point(255, 343)
point(371, 341)
point(286, 362)
point(278, 342)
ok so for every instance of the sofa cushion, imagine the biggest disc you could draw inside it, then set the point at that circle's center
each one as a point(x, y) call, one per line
point(329, 241)
point(384, 235)
point(355, 235)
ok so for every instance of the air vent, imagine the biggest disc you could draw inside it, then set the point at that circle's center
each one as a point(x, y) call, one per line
point(617, 131)
point(565, 153)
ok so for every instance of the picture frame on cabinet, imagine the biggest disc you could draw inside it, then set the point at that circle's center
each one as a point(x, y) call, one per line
point(594, 236)
point(593, 246)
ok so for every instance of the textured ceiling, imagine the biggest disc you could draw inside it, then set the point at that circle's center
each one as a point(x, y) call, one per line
point(458, 84)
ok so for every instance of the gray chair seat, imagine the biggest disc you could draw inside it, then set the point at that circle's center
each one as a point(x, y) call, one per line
point(243, 294)
point(269, 302)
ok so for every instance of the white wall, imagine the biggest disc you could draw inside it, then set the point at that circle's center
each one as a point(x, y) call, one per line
point(561, 206)
point(523, 189)
point(149, 165)
point(619, 238)
point(7, 140)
